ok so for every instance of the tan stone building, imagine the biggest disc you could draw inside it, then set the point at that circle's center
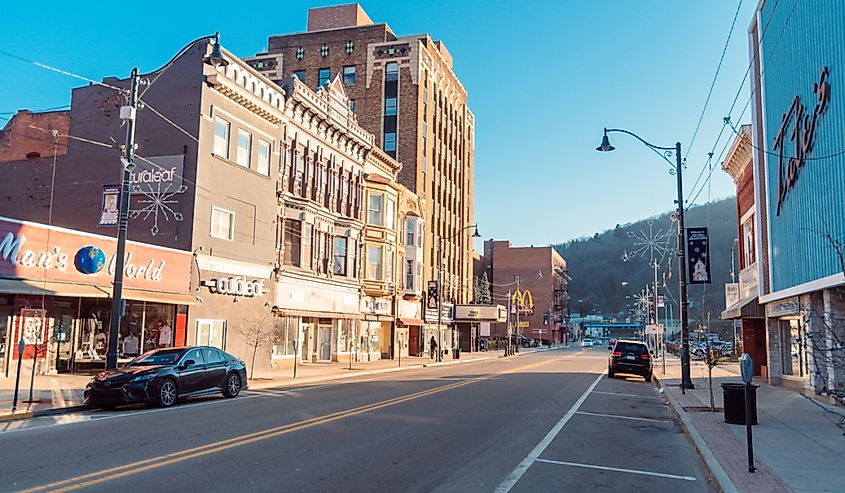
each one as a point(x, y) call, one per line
point(404, 90)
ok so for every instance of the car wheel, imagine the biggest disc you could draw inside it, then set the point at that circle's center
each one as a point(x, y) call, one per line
point(167, 393)
point(611, 374)
point(233, 386)
point(647, 377)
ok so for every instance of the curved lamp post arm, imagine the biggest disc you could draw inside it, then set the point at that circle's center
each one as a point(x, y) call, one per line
point(663, 152)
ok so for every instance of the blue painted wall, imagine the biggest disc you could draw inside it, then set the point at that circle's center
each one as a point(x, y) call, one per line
point(800, 38)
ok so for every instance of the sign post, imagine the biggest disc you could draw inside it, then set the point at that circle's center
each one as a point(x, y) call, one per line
point(747, 369)
point(21, 346)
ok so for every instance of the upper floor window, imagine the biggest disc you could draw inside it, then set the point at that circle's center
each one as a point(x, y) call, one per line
point(748, 242)
point(349, 75)
point(389, 106)
point(375, 263)
point(222, 224)
point(390, 142)
point(264, 152)
point(244, 148)
point(410, 232)
point(410, 271)
point(323, 76)
point(351, 105)
point(339, 256)
point(390, 214)
point(374, 216)
point(221, 137)
point(293, 242)
point(391, 72)
point(300, 74)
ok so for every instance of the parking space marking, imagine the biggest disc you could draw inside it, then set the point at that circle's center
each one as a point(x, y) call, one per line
point(532, 456)
point(626, 395)
point(601, 415)
point(618, 469)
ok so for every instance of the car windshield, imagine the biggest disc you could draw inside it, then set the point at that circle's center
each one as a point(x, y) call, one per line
point(158, 357)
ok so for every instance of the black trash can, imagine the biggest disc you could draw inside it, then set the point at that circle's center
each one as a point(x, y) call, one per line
point(457, 352)
point(734, 398)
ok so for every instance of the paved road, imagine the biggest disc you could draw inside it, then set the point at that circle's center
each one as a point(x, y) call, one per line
point(547, 421)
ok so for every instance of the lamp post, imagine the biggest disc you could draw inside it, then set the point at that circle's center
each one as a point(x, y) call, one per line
point(128, 113)
point(676, 169)
point(440, 285)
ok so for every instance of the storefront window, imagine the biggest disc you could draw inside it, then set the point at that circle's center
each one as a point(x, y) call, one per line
point(211, 333)
point(93, 341)
point(158, 326)
point(287, 329)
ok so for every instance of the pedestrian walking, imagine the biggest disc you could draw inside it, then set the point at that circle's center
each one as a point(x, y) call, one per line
point(433, 345)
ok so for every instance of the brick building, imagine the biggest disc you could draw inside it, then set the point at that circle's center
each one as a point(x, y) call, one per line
point(543, 287)
point(28, 135)
point(403, 90)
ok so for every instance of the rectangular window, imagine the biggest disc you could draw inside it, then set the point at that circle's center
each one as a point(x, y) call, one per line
point(748, 242)
point(410, 232)
point(391, 72)
point(391, 258)
point(389, 106)
point(409, 275)
point(307, 242)
point(374, 216)
point(221, 137)
point(390, 142)
point(375, 263)
point(293, 242)
point(300, 74)
point(222, 224)
point(211, 333)
point(390, 221)
point(244, 148)
point(339, 263)
point(287, 329)
point(264, 157)
point(349, 75)
point(323, 76)
point(351, 105)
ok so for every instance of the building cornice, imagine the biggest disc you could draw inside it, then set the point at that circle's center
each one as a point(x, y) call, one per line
point(740, 154)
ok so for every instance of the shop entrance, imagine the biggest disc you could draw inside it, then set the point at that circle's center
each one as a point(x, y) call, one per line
point(307, 338)
point(64, 319)
point(794, 354)
point(325, 341)
point(5, 335)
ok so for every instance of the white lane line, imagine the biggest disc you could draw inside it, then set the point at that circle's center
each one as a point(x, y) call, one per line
point(601, 415)
point(532, 456)
point(626, 395)
point(618, 469)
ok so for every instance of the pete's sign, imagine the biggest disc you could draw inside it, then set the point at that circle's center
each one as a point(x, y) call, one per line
point(799, 128)
point(38, 252)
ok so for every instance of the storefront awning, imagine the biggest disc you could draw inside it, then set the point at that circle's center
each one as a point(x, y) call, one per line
point(160, 297)
point(411, 321)
point(49, 288)
point(316, 314)
point(749, 308)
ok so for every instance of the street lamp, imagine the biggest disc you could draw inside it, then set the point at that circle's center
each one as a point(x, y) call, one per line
point(676, 169)
point(128, 114)
point(440, 285)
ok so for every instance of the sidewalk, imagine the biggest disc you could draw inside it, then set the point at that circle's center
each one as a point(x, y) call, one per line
point(57, 394)
point(798, 444)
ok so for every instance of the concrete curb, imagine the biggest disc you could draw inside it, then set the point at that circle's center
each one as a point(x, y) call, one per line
point(15, 416)
point(714, 469)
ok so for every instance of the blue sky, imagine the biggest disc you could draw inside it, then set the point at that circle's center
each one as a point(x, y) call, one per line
point(543, 79)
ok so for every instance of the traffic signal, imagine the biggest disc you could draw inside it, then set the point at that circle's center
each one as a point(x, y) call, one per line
point(546, 318)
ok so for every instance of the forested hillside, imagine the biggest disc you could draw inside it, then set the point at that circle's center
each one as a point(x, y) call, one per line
point(611, 265)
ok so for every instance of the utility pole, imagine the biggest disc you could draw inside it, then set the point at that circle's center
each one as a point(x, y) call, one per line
point(518, 307)
point(686, 381)
point(128, 114)
point(733, 280)
point(509, 329)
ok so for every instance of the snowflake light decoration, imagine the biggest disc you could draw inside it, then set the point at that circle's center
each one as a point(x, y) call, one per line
point(157, 203)
point(653, 245)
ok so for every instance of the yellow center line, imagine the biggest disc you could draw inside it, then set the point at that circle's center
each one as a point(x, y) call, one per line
point(105, 475)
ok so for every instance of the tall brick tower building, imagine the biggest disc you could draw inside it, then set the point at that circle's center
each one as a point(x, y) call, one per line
point(403, 90)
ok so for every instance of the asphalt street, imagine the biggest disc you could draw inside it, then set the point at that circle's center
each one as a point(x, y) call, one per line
point(547, 421)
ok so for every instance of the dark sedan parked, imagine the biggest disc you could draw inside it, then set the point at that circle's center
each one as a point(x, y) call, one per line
point(630, 357)
point(163, 376)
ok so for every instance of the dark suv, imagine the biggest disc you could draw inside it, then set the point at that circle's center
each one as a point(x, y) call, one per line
point(630, 357)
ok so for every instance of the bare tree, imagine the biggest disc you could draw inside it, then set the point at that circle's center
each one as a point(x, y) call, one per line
point(255, 333)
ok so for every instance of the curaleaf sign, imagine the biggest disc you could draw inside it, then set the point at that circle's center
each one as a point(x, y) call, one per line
point(39, 252)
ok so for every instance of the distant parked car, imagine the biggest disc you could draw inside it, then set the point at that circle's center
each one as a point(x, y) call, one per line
point(587, 343)
point(163, 376)
point(630, 357)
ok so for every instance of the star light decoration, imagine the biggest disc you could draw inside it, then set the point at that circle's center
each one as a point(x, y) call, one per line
point(653, 245)
point(642, 304)
point(157, 203)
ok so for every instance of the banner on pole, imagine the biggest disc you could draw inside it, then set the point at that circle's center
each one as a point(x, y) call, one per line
point(110, 210)
point(698, 256)
point(661, 302)
point(432, 295)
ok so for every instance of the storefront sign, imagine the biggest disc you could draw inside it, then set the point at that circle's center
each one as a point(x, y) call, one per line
point(788, 306)
point(522, 301)
point(159, 170)
point(799, 128)
point(236, 286)
point(488, 313)
point(731, 294)
point(35, 251)
point(698, 256)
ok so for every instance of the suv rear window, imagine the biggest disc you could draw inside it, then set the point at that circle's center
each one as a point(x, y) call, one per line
point(630, 347)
